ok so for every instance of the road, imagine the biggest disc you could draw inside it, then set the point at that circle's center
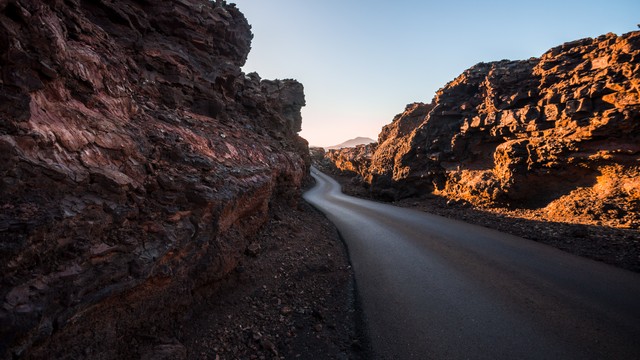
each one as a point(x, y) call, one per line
point(436, 288)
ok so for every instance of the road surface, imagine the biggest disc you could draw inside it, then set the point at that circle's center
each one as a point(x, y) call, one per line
point(435, 288)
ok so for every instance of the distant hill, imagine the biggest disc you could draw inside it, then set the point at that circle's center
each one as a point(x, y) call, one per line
point(352, 143)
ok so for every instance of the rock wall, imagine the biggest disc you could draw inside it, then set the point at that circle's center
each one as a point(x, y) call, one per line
point(559, 134)
point(136, 162)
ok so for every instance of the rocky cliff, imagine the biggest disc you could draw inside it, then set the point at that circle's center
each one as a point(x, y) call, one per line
point(559, 134)
point(136, 162)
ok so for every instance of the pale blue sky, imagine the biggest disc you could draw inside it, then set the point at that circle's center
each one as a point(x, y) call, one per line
point(362, 61)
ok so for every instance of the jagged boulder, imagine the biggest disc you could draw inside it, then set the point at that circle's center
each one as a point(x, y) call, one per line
point(136, 162)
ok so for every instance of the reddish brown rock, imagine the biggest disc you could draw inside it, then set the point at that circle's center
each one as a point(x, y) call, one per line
point(386, 161)
point(355, 160)
point(136, 162)
point(559, 134)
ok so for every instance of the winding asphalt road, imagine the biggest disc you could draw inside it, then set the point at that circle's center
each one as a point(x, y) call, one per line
point(435, 288)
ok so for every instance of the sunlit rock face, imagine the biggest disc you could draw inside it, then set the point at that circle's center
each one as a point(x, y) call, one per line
point(136, 161)
point(354, 160)
point(560, 133)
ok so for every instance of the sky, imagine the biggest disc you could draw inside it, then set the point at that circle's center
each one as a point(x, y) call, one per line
point(362, 61)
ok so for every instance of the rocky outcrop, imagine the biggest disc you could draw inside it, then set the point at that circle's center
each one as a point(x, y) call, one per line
point(136, 162)
point(559, 134)
point(386, 170)
point(354, 160)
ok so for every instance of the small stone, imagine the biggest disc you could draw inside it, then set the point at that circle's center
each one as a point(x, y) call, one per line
point(268, 345)
point(286, 310)
point(253, 249)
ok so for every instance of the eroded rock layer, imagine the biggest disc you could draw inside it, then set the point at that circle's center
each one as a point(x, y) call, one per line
point(136, 160)
point(560, 133)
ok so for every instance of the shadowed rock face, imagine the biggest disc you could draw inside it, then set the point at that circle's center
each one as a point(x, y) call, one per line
point(560, 133)
point(136, 160)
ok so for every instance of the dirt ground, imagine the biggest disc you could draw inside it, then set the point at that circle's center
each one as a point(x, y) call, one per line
point(292, 297)
point(618, 247)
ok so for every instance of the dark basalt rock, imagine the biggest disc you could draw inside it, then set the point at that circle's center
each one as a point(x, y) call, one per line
point(136, 163)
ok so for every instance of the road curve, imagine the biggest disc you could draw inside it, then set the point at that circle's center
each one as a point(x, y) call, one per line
point(436, 288)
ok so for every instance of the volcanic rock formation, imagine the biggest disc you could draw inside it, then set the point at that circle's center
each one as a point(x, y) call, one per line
point(354, 159)
point(560, 133)
point(136, 162)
